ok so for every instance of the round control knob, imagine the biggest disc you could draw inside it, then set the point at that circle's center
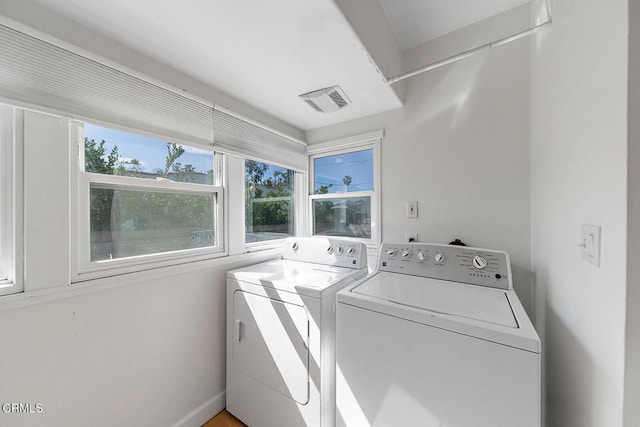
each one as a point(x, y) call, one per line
point(340, 250)
point(421, 256)
point(351, 251)
point(391, 252)
point(295, 246)
point(406, 253)
point(330, 250)
point(439, 257)
point(479, 262)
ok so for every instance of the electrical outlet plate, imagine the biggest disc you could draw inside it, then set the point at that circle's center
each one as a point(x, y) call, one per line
point(411, 238)
point(590, 244)
point(412, 209)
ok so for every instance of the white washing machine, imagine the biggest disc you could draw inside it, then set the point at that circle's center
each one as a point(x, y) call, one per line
point(437, 337)
point(281, 332)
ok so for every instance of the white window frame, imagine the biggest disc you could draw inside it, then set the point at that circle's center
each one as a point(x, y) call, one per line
point(11, 199)
point(373, 141)
point(299, 215)
point(85, 269)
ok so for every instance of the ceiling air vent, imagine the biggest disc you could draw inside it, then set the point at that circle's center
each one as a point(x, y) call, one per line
point(326, 100)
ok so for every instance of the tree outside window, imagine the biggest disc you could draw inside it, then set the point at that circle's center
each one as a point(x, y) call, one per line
point(269, 202)
point(125, 221)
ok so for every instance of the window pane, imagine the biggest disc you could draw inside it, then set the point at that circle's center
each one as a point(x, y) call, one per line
point(114, 152)
point(6, 192)
point(4, 197)
point(342, 173)
point(269, 202)
point(126, 223)
point(349, 217)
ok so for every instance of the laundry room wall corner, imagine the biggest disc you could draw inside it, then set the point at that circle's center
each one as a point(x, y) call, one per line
point(460, 146)
point(579, 176)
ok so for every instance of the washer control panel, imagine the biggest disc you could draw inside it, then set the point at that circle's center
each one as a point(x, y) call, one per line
point(326, 251)
point(462, 264)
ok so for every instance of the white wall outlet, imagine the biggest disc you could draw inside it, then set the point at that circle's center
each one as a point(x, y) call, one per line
point(412, 209)
point(590, 244)
point(411, 238)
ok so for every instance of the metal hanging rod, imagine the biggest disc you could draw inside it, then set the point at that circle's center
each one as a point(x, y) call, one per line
point(470, 52)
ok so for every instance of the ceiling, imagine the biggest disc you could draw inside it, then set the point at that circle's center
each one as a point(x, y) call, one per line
point(266, 53)
point(415, 22)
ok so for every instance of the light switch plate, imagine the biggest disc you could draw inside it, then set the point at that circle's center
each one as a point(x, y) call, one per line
point(412, 209)
point(590, 244)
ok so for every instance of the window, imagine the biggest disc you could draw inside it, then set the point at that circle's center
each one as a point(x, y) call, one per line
point(269, 202)
point(343, 199)
point(147, 199)
point(6, 187)
point(10, 199)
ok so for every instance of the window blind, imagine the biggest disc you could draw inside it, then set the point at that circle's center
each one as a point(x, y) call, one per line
point(236, 135)
point(36, 73)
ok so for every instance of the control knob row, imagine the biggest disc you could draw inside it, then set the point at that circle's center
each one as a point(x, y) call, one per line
point(406, 253)
point(340, 250)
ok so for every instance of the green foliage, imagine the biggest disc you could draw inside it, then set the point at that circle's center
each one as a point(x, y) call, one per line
point(98, 161)
point(174, 151)
point(143, 221)
point(253, 174)
point(95, 158)
point(342, 216)
point(324, 189)
point(269, 199)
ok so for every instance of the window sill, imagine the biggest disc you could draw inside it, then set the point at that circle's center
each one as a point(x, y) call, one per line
point(7, 287)
point(28, 298)
point(123, 266)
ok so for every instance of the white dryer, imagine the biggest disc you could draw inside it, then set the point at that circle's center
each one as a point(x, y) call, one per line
point(281, 332)
point(437, 337)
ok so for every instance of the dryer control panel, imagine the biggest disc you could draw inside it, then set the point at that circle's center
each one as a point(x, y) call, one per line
point(326, 251)
point(462, 264)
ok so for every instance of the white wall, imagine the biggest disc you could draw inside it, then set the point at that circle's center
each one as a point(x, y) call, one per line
point(149, 352)
point(632, 360)
point(578, 175)
point(460, 147)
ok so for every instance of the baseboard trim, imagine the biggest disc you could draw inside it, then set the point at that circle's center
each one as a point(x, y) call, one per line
point(203, 413)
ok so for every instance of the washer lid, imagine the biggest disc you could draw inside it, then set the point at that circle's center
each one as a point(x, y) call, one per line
point(440, 296)
point(295, 276)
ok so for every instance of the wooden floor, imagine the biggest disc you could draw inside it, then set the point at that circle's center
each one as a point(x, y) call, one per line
point(224, 419)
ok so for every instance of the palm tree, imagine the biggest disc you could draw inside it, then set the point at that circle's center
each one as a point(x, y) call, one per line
point(347, 180)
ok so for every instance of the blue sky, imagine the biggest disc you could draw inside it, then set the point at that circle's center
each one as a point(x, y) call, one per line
point(151, 152)
point(332, 169)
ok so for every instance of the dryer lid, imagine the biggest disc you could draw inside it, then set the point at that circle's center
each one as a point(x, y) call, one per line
point(440, 296)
